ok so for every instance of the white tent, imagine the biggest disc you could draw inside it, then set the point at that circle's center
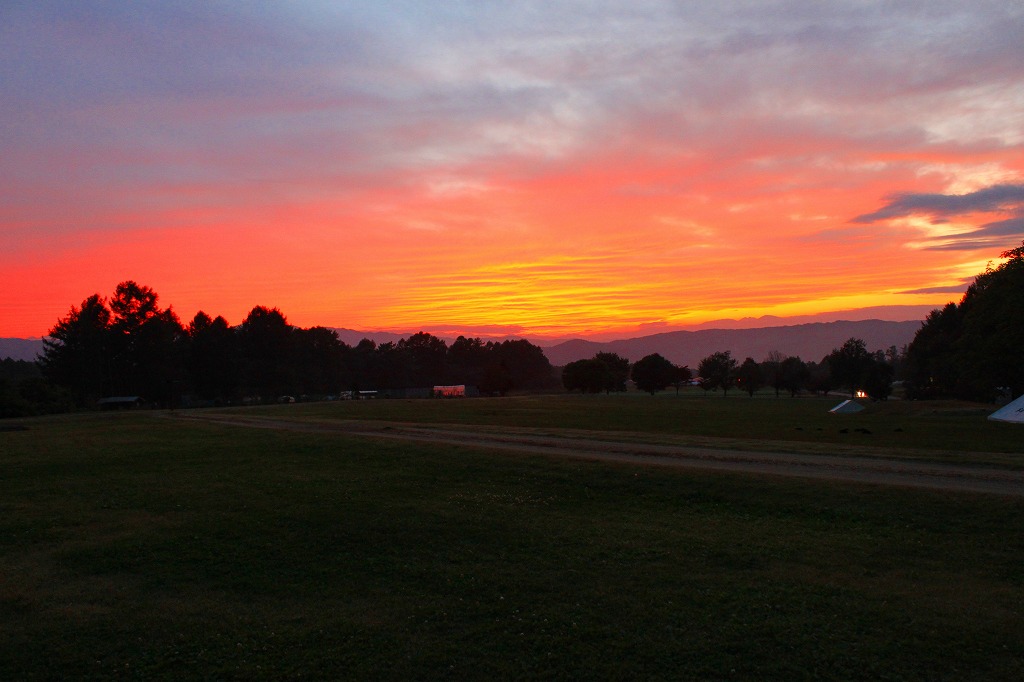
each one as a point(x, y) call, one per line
point(1013, 412)
point(847, 407)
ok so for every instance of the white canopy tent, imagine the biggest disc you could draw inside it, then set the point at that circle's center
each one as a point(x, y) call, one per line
point(1012, 412)
point(847, 407)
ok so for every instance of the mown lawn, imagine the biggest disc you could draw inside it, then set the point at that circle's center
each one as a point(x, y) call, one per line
point(135, 547)
point(940, 426)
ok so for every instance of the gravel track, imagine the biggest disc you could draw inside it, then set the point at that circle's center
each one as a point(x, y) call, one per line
point(585, 445)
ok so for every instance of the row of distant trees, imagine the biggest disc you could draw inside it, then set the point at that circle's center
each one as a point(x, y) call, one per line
point(130, 346)
point(973, 350)
point(850, 367)
point(25, 392)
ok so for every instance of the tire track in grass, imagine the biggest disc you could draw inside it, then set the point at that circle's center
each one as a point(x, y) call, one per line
point(870, 470)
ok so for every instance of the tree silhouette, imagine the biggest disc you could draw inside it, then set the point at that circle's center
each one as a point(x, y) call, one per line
point(212, 358)
point(849, 364)
point(618, 371)
point(718, 370)
point(466, 360)
point(604, 372)
point(820, 378)
point(653, 373)
point(794, 375)
point(265, 342)
point(681, 375)
point(362, 361)
point(158, 352)
point(24, 392)
point(131, 305)
point(318, 362)
point(145, 344)
point(748, 377)
point(878, 379)
point(526, 363)
point(990, 348)
point(586, 376)
point(496, 378)
point(771, 370)
point(933, 369)
point(427, 358)
point(76, 352)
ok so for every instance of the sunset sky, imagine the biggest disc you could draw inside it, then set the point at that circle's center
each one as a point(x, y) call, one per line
point(525, 168)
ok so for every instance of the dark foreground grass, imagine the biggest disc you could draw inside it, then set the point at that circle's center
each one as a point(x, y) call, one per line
point(133, 547)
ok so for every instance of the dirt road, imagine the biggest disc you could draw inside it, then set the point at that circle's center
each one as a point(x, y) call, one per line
point(592, 446)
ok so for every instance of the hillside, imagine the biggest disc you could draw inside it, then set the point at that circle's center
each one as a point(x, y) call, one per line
point(808, 341)
point(20, 349)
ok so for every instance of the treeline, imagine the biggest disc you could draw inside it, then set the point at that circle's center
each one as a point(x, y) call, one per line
point(850, 367)
point(130, 346)
point(24, 392)
point(974, 350)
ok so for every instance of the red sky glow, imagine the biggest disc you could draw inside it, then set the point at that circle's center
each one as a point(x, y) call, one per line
point(535, 169)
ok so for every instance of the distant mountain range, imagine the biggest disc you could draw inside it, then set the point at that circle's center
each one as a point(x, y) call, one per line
point(811, 341)
point(353, 337)
point(20, 349)
point(808, 341)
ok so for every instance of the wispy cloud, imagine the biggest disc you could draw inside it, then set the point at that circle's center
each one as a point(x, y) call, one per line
point(987, 200)
point(939, 208)
point(955, 289)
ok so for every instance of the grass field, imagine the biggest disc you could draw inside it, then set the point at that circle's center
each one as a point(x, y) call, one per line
point(937, 430)
point(135, 547)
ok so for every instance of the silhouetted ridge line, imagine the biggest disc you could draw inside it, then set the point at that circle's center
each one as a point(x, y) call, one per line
point(811, 341)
